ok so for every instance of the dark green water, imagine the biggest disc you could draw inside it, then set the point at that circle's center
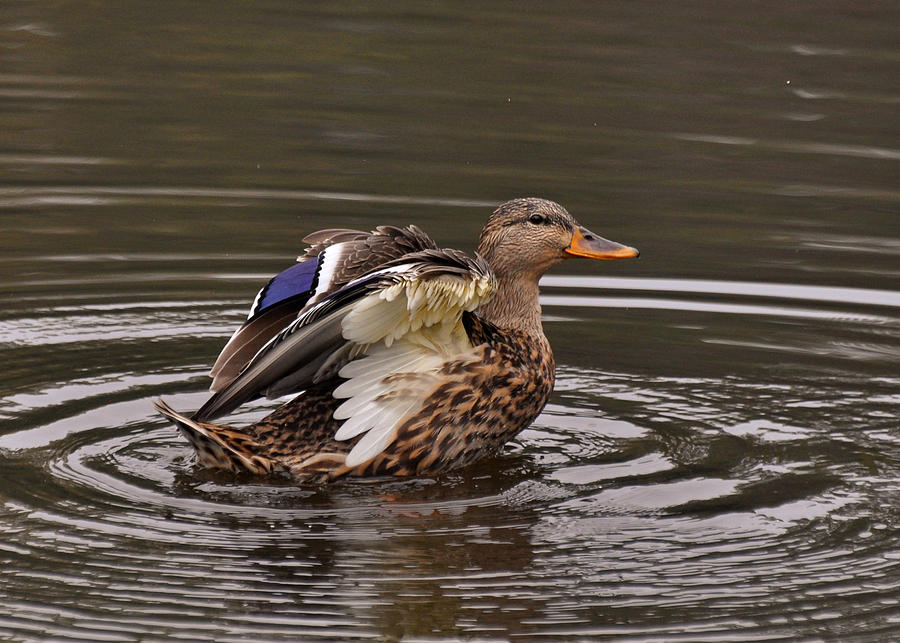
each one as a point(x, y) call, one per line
point(721, 457)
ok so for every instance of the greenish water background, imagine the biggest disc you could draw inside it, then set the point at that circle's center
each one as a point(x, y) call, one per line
point(721, 455)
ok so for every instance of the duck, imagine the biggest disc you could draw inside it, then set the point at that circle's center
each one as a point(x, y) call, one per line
point(404, 359)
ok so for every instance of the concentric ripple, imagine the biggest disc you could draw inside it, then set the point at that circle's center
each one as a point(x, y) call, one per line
point(693, 497)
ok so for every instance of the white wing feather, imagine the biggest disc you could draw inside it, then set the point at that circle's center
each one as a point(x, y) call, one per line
point(388, 333)
point(412, 329)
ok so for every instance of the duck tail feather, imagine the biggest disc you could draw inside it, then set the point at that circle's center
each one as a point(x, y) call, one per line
point(217, 446)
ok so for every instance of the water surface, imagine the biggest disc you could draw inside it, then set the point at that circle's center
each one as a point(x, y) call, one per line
point(721, 456)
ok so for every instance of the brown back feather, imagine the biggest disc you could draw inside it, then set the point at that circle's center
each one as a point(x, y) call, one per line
point(364, 252)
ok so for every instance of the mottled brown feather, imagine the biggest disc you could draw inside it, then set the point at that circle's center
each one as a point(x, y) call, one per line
point(365, 251)
point(478, 403)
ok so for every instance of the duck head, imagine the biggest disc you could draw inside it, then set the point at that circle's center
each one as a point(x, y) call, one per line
point(525, 237)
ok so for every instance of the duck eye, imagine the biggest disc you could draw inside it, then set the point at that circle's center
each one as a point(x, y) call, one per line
point(536, 219)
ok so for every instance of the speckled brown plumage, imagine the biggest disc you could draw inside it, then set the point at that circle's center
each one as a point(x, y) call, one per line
point(476, 402)
point(458, 424)
point(369, 249)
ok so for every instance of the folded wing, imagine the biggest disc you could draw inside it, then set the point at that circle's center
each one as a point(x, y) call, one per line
point(388, 333)
point(334, 258)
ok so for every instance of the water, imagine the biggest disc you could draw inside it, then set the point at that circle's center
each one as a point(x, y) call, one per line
point(720, 459)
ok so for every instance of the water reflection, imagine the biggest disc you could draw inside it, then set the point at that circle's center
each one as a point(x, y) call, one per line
point(632, 495)
point(829, 294)
point(99, 195)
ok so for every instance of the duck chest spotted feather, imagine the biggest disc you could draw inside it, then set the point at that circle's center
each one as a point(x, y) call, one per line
point(483, 404)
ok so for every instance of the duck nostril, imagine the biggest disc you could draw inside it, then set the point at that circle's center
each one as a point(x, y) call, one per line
point(589, 237)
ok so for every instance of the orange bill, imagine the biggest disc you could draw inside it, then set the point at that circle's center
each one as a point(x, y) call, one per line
point(587, 244)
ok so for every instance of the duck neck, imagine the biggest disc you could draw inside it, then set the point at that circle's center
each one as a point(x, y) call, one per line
point(515, 306)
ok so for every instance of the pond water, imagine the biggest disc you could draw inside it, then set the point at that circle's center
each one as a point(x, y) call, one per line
point(720, 459)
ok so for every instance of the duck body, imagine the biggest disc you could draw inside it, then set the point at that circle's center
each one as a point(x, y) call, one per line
point(409, 360)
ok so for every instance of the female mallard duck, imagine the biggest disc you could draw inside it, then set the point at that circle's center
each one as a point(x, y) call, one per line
point(410, 359)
